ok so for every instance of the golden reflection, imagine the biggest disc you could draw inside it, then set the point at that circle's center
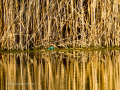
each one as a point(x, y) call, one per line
point(98, 70)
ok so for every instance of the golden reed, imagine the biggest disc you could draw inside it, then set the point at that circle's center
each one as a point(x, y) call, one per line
point(26, 24)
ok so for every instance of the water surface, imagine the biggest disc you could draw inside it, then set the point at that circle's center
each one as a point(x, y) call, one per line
point(71, 70)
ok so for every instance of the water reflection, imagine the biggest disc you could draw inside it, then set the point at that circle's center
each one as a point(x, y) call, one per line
point(74, 70)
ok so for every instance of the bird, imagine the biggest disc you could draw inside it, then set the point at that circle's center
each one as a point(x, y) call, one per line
point(50, 48)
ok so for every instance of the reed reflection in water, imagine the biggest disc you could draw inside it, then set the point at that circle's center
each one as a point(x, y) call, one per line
point(73, 70)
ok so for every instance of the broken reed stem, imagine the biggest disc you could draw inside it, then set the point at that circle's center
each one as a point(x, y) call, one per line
point(29, 24)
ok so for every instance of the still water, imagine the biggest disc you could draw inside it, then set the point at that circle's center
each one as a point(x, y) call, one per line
point(63, 70)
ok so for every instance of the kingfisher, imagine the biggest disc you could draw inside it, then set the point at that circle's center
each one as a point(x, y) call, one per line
point(50, 48)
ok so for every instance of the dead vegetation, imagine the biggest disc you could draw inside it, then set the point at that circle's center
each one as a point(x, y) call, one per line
point(30, 24)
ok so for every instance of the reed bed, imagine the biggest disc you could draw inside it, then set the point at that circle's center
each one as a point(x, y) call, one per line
point(30, 24)
point(70, 71)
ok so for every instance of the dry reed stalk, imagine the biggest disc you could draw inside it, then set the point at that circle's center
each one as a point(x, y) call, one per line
point(1, 16)
point(29, 77)
point(7, 21)
point(21, 16)
point(28, 22)
point(1, 20)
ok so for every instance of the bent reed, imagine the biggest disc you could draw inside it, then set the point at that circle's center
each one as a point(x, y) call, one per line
point(31, 24)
